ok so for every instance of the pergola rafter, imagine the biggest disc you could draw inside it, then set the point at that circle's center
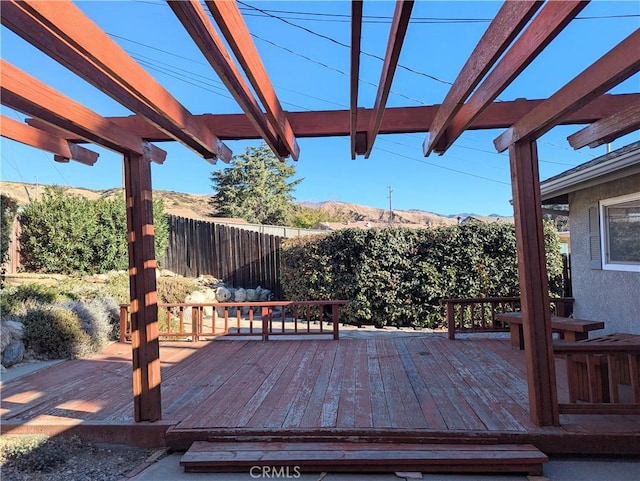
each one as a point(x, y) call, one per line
point(65, 33)
point(609, 128)
point(234, 29)
point(544, 27)
point(196, 22)
point(508, 22)
point(28, 95)
point(358, 141)
point(399, 26)
point(614, 67)
point(62, 149)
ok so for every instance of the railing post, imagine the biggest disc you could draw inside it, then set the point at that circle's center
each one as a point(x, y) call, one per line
point(265, 323)
point(335, 310)
point(124, 321)
point(195, 322)
point(451, 323)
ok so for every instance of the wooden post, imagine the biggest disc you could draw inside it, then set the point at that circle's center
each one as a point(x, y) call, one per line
point(142, 287)
point(534, 284)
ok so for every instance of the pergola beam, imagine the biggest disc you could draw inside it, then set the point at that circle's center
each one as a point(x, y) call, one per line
point(399, 26)
point(508, 22)
point(233, 27)
point(608, 129)
point(196, 22)
point(357, 147)
point(66, 34)
point(614, 67)
point(28, 95)
point(61, 148)
point(551, 20)
point(397, 120)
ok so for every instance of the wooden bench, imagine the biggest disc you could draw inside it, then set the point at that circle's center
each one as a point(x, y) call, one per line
point(603, 374)
point(569, 329)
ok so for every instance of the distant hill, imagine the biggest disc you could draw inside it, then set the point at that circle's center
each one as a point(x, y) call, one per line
point(197, 206)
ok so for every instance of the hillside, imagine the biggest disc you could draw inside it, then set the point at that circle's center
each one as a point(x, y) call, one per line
point(197, 206)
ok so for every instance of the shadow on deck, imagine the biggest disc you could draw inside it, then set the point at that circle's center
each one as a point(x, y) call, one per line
point(416, 388)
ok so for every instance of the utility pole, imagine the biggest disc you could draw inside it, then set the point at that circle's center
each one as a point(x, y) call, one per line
point(390, 208)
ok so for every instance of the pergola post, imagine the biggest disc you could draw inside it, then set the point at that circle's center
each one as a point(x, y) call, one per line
point(142, 285)
point(534, 284)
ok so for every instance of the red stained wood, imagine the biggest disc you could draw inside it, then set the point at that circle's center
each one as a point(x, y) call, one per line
point(14, 130)
point(399, 25)
point(66, 34)
point(532, 274)
point(608, 129)
point(354, 77)
point(507, 24)
point(364, 457)
point(234, 29)
point(32, 97)
point(614, 67)
point(142, 285)
point(551, 20)
point(396, 120)
point(197, 23)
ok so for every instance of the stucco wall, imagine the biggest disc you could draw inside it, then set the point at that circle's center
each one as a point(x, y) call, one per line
point(604, 295)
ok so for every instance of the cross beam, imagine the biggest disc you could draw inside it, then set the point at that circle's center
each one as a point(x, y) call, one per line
point(66, 34)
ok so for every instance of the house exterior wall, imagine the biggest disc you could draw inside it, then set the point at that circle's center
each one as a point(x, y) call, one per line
point(603, 295)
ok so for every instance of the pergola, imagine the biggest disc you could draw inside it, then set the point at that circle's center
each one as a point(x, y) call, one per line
point(520, 31)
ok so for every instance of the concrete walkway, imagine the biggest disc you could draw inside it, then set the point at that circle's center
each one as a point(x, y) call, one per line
point(169, 469)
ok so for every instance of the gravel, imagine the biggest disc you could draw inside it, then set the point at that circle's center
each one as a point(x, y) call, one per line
point(37, 458)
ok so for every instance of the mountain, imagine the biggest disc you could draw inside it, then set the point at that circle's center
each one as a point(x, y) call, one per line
point(197, 206)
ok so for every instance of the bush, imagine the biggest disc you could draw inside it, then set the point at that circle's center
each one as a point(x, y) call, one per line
point(66, 234)
point(17, 299)
point(53, 332)
point(397, 276)
point(100, 318)
point(173, 290)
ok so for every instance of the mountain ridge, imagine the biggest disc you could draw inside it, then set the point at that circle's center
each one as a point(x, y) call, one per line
point(196, 206)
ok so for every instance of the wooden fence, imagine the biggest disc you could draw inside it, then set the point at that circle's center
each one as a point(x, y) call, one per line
point(239, 257)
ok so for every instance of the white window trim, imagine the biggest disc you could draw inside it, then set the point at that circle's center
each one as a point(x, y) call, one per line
point(603, 204)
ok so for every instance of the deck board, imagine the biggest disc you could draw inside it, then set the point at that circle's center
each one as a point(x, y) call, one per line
point(406, 387)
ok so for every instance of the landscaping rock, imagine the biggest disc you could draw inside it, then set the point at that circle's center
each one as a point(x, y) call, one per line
point(223, 294)
point(13, 354)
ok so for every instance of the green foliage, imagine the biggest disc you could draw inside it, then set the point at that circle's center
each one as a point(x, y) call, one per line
point(8, 209)
point(397, 276)
point(174, 290)
point(307, 217)
point(66, 234)
point(54, 332)
point(17, 299)
point(255, 188)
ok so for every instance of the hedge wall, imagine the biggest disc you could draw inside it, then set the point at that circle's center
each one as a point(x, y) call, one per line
point(396, 276)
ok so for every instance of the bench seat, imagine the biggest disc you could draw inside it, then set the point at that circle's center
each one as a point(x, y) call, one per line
point(568, 328)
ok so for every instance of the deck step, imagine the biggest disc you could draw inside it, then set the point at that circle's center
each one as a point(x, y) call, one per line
point(299, 458)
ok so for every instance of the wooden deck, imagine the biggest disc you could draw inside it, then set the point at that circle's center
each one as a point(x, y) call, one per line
point(411, 388)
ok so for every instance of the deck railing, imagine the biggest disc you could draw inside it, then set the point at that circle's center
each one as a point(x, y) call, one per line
point(264, 319)
point(479, 314)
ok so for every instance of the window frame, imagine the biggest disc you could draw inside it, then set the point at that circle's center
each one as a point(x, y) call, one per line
point(604, 233)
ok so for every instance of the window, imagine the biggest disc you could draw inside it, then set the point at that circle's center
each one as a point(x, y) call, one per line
point(620, 233)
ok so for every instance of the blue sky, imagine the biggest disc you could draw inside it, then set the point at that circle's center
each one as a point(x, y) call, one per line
point(310, 72)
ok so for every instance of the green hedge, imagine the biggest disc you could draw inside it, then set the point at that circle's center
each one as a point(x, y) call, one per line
point(397, 276)
point(67, 234)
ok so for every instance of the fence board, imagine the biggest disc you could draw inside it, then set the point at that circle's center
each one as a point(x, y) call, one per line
point(241, 258)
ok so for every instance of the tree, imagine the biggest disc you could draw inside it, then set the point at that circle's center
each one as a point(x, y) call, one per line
point(255, 188)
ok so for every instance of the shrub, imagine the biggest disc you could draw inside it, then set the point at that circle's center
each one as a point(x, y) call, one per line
point(173, 290)
point(99, 318)
point(53, 332)
point(17, 299)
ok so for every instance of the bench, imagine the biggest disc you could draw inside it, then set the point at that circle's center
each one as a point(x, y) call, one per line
point(603, 374)
point(569, 329)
